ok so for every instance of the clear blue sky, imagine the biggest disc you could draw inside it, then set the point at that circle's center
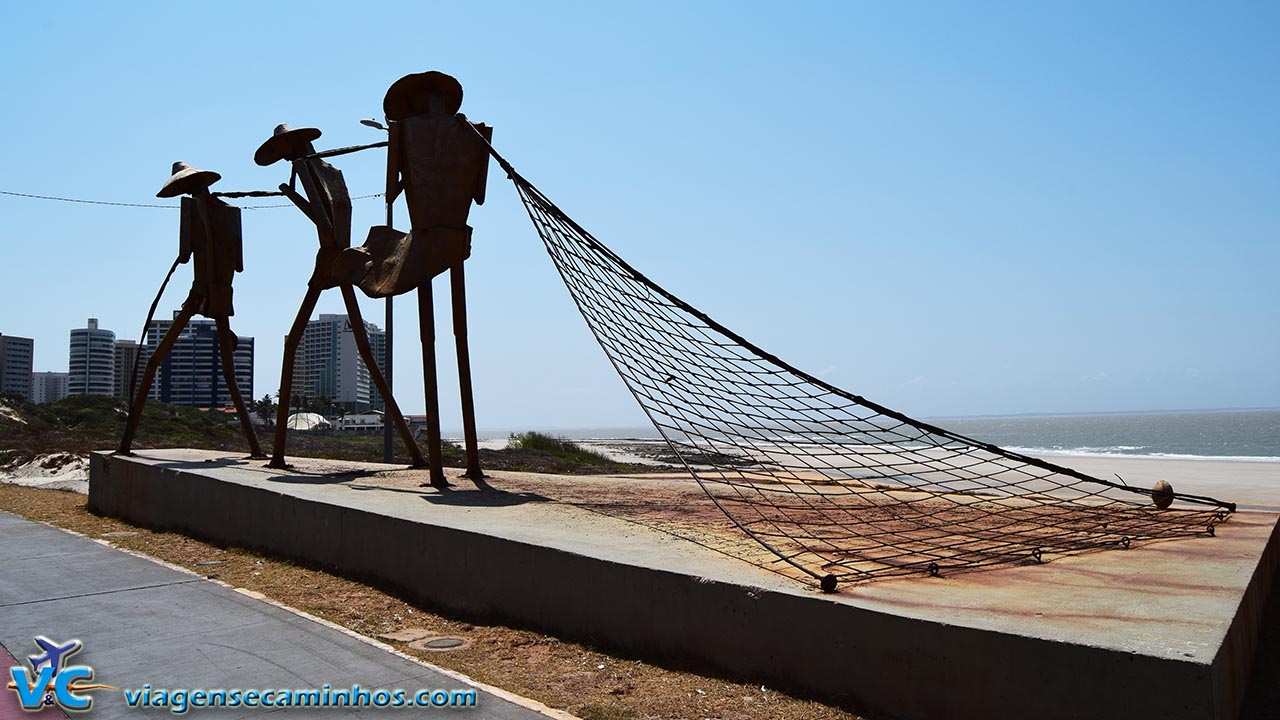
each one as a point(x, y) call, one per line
point(949, 208)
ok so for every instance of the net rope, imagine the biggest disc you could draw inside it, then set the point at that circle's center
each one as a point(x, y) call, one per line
point(835, 485)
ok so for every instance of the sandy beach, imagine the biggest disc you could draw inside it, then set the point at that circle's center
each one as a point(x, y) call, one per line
point(1255, 484)
point(1249, 484)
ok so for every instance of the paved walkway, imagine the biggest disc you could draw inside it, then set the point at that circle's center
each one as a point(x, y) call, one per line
point(142, 622)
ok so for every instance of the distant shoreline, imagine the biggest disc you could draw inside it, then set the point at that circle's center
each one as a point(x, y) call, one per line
point(572, 431)
point(603, 445)
point(1250, 436)
point(1050, 453)
point(1100, 413)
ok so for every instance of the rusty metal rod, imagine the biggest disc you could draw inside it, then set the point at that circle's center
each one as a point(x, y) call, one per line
point(427, 333)
point(148, 376)
point(458, 286)
point(345, 150)
point(388, 316)
point(390, 410)
point(506, 166)
point(142, 341)
point(284, 396)
point(247, 193)
point(226, 344)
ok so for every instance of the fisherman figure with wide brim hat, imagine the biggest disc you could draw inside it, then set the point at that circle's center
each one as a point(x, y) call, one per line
point(328, 205)
point(209, 232)
point(440, 161)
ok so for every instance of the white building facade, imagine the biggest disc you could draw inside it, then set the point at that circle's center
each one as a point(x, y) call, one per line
point(329, 365)
point(47, 387)
point(92, 365)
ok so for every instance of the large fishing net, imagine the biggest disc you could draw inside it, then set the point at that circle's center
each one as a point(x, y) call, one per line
point(839, 487)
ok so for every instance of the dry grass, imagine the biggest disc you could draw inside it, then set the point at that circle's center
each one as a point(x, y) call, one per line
point(565, 675)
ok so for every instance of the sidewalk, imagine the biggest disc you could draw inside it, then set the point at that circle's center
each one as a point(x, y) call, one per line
point(142, 622)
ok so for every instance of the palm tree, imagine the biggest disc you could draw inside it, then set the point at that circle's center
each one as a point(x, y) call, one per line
point(324, 406)
point(265, 409)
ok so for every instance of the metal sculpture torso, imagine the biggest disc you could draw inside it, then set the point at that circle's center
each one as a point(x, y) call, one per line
point(210, 231)
point(441, 166)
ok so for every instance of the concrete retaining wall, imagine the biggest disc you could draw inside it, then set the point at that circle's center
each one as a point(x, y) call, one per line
point(887, 665)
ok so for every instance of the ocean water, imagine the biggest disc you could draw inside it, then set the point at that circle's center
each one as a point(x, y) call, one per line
point(1246, 435)
point(1226, 434)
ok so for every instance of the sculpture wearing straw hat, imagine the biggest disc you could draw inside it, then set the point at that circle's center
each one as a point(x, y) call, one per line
point(210, 234)
point(328, 205)
point(436, 159)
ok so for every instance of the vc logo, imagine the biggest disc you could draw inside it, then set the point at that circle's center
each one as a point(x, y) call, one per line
point(51, 680)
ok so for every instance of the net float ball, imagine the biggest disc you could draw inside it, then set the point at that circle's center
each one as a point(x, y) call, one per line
point(1162, 494)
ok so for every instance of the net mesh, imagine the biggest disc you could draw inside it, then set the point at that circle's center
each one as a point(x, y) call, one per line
point(835, 485)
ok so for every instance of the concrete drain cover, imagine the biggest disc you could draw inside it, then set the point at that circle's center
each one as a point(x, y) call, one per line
point(438, 643)
point(444, 643)
point(119, 533)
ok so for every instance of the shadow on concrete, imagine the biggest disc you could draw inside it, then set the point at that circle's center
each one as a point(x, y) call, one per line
point(206, 463)
point(299, 477)
point(462, 498)
point(482, 498)
point(1262, 698)
point(288, 475)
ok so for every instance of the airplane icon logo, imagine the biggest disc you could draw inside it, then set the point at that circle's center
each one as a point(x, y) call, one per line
point(54, 655)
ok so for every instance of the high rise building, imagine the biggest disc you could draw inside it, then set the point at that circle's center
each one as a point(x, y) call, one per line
point(192, 372)
point(47, 387)
point(378, 342)
point(329, 364)
point(127, 353)
point(15, 365)
point(92, 367)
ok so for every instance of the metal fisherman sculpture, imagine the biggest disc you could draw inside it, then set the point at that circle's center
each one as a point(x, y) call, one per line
point(328, 205)
point(209, 233)
point(437, 159)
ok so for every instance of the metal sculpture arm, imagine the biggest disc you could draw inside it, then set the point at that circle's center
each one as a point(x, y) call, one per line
point(304, 206)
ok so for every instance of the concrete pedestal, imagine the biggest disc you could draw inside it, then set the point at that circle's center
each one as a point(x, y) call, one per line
point(1166, 630)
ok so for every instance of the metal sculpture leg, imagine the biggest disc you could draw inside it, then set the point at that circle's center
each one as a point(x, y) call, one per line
point(148, 376)
point(291, 343)
point(225, 338)
point(458, 284)
point(390, 408)
point(427, 333)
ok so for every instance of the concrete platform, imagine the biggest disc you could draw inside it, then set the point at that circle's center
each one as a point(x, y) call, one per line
point(1166, 630)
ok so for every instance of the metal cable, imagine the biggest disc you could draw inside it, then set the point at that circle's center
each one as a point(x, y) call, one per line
point(86, 202)
point(253, 193)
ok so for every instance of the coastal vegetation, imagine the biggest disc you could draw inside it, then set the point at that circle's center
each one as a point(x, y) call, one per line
point(81, 424)
point(558, 447)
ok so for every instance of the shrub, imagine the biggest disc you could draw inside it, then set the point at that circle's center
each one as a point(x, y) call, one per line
point(557, 446)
